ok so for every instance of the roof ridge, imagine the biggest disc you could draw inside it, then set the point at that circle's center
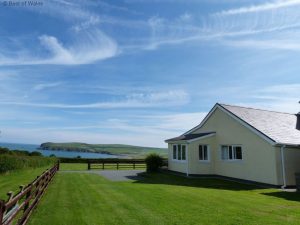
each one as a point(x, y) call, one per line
point(247, 107)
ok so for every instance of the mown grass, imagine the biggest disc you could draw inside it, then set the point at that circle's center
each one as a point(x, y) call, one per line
point(11, 181)
point(161, 199)
point(73, 166)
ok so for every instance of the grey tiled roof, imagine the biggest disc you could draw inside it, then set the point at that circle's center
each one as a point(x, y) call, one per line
point(189, 136)
point(280, 127)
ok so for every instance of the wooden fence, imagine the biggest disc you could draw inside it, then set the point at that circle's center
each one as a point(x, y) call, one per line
point(18, 208)
point(117, 163)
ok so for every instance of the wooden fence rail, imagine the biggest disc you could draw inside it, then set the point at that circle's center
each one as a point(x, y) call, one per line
point(18, 208)
point(118, 163)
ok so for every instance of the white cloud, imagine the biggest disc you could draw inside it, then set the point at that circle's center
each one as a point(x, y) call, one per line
point(282, 98)
point(147, 130)
point(88, 47)
point(137, 100)
point(186, 17)
point(290, 45)
point(261, 7)
point(93, 20)
point(43, 86)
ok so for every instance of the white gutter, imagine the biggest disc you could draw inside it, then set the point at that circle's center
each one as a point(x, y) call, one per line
point(283, 166)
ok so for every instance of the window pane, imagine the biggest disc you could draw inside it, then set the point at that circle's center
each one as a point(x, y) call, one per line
point(200, 152)
point(238, 152)
point(205, 153)
point(183, 152)
point(224, 152)
point(230, 152)
point(179, 152)
point(174, 152)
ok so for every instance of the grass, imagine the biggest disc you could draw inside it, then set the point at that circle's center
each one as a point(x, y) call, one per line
point(161, 199)
point(72, 166)
point(12, 180)
point(115, 149)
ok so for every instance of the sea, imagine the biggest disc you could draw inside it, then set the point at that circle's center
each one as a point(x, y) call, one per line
point(66, 154)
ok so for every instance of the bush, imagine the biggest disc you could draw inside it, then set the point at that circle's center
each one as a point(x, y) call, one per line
point(19, 152)
point(35, 153)
point(4, 151)
point(153, 162)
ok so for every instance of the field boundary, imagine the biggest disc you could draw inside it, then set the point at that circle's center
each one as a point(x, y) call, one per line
point(19, 207)
point(118, 163)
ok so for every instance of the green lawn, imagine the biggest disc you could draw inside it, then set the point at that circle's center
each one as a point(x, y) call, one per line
point(73, 166)
point(79, 198)
point(12, 180)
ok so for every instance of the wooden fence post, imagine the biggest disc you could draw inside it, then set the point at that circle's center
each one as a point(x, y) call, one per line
point(26, 206)
point(2, 209)
point(103, 165)
point(117, 165)
point(89, 166)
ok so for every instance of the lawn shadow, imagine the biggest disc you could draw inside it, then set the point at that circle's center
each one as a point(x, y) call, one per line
point(291, 196)
point(200, 182)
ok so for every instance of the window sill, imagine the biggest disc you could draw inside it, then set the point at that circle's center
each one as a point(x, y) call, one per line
point(232, 160)
point(204, 161)
point(178, 161)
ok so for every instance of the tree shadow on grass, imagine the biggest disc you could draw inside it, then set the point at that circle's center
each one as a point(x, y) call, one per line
point(291, 196)
point(200, 182)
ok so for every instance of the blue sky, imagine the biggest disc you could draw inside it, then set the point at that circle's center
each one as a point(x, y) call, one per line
point(139, 72)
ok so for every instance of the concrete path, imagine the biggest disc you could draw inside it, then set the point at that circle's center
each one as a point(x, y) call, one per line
point(113, 175)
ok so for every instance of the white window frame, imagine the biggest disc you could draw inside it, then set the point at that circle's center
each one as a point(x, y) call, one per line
point(234, 159)
point(208, 153)
point(177, 150)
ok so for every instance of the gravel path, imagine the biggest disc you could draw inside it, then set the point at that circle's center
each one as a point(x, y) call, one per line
point(120, 175)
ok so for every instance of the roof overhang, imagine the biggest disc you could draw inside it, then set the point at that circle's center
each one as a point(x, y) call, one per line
point(173, 141)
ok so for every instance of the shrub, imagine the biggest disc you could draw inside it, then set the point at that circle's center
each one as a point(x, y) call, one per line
point(153, 162)
point(4, 151)
point(19, 152)
point(35, 153)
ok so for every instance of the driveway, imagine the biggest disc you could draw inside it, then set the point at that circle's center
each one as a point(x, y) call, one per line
point(119, 175)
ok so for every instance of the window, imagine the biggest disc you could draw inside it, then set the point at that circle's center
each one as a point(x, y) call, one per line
point(183, 151)
point(231, 152)
point(174, 151)
point(203, 152)
point(179, 152)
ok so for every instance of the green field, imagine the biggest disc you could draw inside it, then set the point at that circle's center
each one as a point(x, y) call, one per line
point(114, 149)
point(79, 198)
point(12, 180)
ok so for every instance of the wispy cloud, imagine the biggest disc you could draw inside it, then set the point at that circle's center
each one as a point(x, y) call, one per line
point(43, 86)
point(261, 7)
point(283, 98)
point(135, 100)
point(147, 130)
point(88, 47)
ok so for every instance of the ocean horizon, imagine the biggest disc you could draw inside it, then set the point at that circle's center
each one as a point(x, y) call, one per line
point(66, 154)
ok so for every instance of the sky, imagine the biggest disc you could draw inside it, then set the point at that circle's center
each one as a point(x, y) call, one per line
point(141, 71)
